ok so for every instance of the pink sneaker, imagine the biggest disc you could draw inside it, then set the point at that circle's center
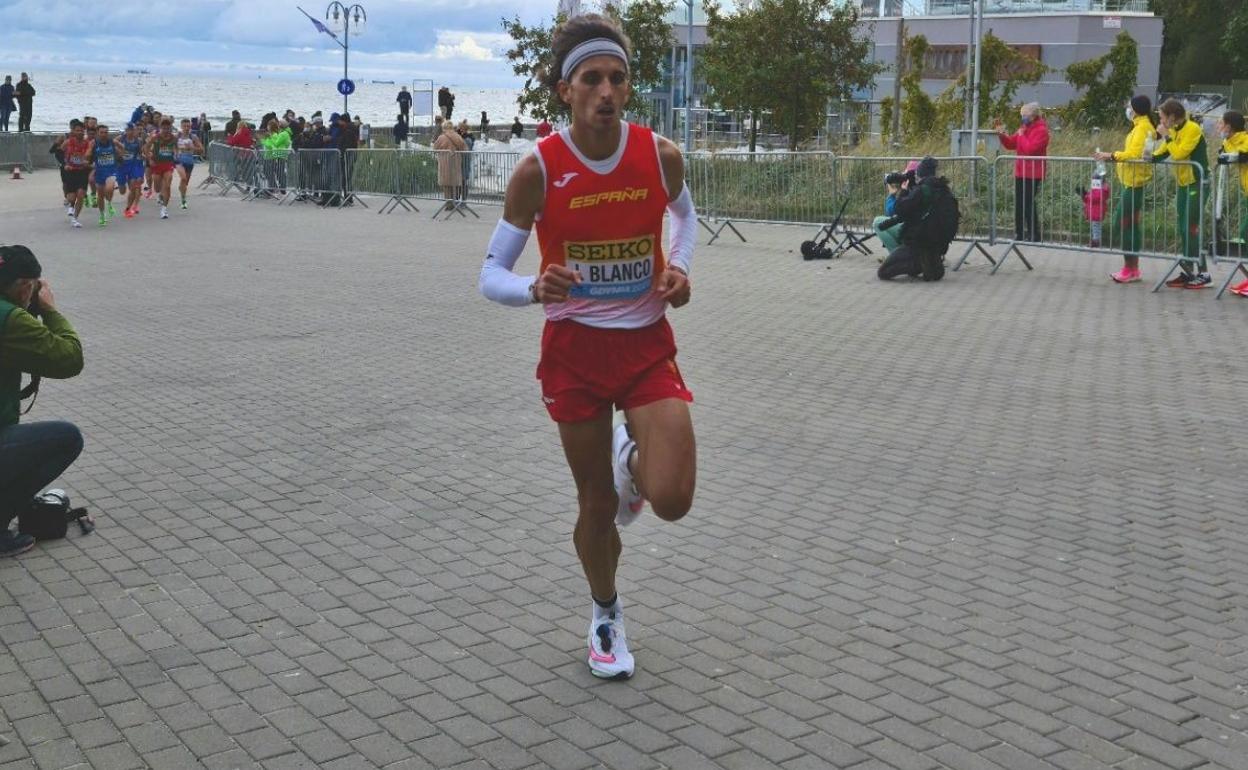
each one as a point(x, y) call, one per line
point(1240, 288)
point(1127, 275)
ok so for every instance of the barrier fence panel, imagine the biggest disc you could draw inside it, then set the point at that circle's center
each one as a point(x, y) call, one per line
point(788, 187)
point(15, 151)
point(318, 175)
point(486, 175)
point(382, 173)
point(1153, 210)
point(273, 175)
point(1229, 235)
point(221, 160)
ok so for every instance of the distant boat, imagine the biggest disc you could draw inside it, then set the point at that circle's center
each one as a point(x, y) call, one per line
point(138, 72)
point(382, 82)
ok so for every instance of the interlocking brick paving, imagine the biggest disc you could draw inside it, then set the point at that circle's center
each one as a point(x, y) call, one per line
point(997, 522)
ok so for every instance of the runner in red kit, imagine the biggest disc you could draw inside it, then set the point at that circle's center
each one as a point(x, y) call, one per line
point(597, 193)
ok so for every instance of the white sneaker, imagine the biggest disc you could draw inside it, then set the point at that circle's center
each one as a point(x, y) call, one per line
point(631, 501)
point(69, 211)
point(74, 221)
point(609, 657)
point(164, 212)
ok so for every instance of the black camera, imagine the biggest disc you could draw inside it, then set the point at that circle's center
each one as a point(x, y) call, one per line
point(897, 177)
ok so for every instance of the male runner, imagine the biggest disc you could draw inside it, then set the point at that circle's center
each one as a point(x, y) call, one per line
point(104, 153)
point(188, 147)
point(131, 168)
point(601, 188)
point(77, 149)
point(162, 154)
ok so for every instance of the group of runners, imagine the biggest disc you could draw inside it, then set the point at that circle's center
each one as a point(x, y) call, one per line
point(140, 162)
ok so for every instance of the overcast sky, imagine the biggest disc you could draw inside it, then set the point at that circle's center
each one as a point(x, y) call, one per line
point(451, 41)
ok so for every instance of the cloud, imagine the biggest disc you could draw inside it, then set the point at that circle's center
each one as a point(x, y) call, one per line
point(469, 46)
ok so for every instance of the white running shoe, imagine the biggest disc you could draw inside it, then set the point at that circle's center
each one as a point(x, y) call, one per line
point(74, 221)
point(69, 211)
point(631, 501)
point(609, 657)
point(164, 212)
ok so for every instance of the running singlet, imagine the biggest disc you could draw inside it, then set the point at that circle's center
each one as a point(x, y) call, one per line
point(186, 149)
point(105, 156)
point(164, 151)
point(607, 226)
point(131, 150)
point(76, 150)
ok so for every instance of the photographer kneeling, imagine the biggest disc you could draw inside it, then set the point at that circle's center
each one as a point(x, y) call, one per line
point(37, 340)
point(928, 214)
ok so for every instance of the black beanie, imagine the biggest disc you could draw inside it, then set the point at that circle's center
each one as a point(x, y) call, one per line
point(17, 262)
point(927, 167)
point(1141, 104)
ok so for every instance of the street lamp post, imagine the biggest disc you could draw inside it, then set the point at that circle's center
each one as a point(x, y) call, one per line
point(689, 79)
point(335, 10)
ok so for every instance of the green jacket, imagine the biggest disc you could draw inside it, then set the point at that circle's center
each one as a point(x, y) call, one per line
point(48, 349)
point(276, 145)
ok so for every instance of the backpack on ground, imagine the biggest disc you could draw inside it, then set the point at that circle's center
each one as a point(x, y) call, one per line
point(49, 514)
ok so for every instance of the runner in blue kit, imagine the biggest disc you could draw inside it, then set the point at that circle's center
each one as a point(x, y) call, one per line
point(130, 168)
point(104, 153)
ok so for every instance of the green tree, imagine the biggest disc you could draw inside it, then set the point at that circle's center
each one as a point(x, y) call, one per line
point(918, 110)
point(1104, 93)
point(1003, 70)
point(798, 54)
point(735, 82)
point(1198, 45)
point(644, 21)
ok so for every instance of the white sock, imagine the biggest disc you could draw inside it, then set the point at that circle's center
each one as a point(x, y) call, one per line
point(601, 613)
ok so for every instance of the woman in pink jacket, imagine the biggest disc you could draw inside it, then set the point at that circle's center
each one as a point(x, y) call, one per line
point(1031, 139)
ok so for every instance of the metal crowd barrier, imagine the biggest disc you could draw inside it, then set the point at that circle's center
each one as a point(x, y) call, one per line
point(1229, 234)
point(1138, 220)
point(15, 150)
point(317, 175)
point(383, 173)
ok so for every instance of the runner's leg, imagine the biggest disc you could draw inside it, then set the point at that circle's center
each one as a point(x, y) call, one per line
point(664, 467)
point(587, 446)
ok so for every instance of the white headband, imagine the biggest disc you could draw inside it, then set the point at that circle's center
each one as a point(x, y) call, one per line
point(599, 46)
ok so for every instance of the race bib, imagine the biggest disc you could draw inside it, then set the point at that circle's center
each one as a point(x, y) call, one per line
point(617, 269)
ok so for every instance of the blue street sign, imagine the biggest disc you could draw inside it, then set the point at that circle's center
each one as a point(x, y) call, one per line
point(346, 87)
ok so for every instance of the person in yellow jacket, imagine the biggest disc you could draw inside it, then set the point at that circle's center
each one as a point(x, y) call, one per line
point(1134, 172)
point(1234, 153)
point(1183, 139)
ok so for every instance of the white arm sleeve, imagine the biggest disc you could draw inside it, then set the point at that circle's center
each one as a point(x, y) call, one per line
point(684, 230)
point(497, 281)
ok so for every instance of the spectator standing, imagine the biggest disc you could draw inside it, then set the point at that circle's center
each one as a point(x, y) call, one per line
point(205, 130)
point(39, 341)
point(446, 102)
point(517, 128)
point(544, 129)
point(7, 105)
point(400, 130)
point(1234, 153)
point(1031, 139)
point(1134, 174)
point(405, 104)
point(1183, 139)
point(231, 125)
point(25, 102)
point(450, 170)
point(485, 126)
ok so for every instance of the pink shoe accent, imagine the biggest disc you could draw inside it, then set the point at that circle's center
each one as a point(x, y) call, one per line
point(1126, 275)
point(1240, 288)
point(600, 658)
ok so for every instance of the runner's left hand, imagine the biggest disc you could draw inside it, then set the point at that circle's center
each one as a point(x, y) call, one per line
point(675, 287)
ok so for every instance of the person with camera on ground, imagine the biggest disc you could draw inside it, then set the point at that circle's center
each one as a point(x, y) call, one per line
point(891, 238)
point(927, 211)
point(35, 339)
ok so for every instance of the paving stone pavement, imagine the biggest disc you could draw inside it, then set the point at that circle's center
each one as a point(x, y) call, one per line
point(997, 522)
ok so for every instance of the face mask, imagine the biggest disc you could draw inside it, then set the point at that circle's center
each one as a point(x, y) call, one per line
point(1130, 115)
point(1026, 120)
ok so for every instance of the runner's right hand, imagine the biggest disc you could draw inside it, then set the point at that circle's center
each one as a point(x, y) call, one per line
point(553, 285)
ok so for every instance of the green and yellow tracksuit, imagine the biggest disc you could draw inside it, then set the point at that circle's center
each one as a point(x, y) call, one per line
point(1129, 209)
point(1187, 142)
point(1238, 143)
